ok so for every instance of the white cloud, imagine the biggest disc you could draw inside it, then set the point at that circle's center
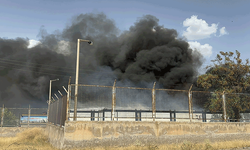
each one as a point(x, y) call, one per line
point(205, 50)
point(33, 43)
point(198, 29)
point(223, 31)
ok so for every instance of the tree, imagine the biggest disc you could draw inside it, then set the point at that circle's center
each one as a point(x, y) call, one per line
point(9, 118)
point(231, 76)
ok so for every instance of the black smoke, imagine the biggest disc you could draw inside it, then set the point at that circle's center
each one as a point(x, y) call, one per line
point(147, 52)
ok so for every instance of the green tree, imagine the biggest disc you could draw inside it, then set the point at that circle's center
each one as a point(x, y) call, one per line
point(231, 75)
point(9, 118)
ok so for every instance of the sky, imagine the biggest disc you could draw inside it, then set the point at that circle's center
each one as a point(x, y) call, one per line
point(210, 26)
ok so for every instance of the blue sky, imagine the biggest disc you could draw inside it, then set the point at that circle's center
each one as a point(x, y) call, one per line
point(200, 21)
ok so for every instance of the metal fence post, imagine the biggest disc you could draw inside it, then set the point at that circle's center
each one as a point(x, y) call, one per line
point(153, 103)
point(98, 115)
point(174, 115)
point(57, 103)
point(29, 117)
point(117, 115)
point(68, 98)
point(2, 116)
point(139, 115)
point(170, 112)
point(136, 115)
point(190, 103)
point(48, 112)
point(75, 104)
point(224, 107)
point(92, 114)
point(61, 119)
point(113, 102)
point(67, 107)
point(103, 115)
point(204, 116)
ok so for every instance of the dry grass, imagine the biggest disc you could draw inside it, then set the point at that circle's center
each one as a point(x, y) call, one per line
point(31, 139)
point(35, 139)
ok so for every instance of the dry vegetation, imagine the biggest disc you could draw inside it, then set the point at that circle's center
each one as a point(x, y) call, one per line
point(31, 139)
point(35, 139)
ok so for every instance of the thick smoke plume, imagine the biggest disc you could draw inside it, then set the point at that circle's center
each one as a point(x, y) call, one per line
point(147, 52)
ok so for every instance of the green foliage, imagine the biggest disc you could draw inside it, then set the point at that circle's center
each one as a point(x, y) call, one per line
point(227, 75)
point(9, 118)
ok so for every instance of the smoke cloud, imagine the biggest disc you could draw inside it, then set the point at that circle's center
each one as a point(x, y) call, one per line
point(146, 53)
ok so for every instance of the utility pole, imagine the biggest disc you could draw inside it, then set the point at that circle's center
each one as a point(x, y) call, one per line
point(77, 73)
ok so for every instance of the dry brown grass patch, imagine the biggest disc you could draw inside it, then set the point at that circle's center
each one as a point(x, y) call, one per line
point(35, 139)
point(30, 139)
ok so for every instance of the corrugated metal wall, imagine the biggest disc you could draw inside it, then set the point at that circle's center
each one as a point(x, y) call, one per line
point(57, 111)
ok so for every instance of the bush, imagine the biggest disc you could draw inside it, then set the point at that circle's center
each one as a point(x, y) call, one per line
point(9, 118)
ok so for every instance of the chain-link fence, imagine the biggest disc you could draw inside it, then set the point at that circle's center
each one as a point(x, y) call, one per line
point(237, 106)
point(97, 102)
point(23, 117)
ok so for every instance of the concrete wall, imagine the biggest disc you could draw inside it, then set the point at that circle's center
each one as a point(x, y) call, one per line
point(118, 133)
point(55, 135)
point(11, 131)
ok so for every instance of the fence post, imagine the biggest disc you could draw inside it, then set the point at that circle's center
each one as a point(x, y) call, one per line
point(204, 119)
point(68, 98)
point(139, 115)
point(92, 114)
point(29, 117)
point(75, 104)
point(98, 115)
point(190, 103)
point(136, 115)
point(117, 115)
point(174, 115)
point(69, 90)
point(224, 107)
point(57, 103)
point(103, 115)
point(67, 107)
point(61, 112)
point(48, 111)
point(170, 112)
point(2, 116)
point(153, 102)
point(113, 102)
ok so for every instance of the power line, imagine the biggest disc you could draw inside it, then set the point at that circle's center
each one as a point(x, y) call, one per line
point(13, 62)
point(4, 60)
point(39, 72)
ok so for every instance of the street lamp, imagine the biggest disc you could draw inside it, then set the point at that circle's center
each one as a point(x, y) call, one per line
point(50, 82)
point(77, 73)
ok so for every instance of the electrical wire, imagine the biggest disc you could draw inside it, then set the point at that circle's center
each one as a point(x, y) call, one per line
point(22, 65)
point(13, 62)
point(31, 65)
point(39, 72)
